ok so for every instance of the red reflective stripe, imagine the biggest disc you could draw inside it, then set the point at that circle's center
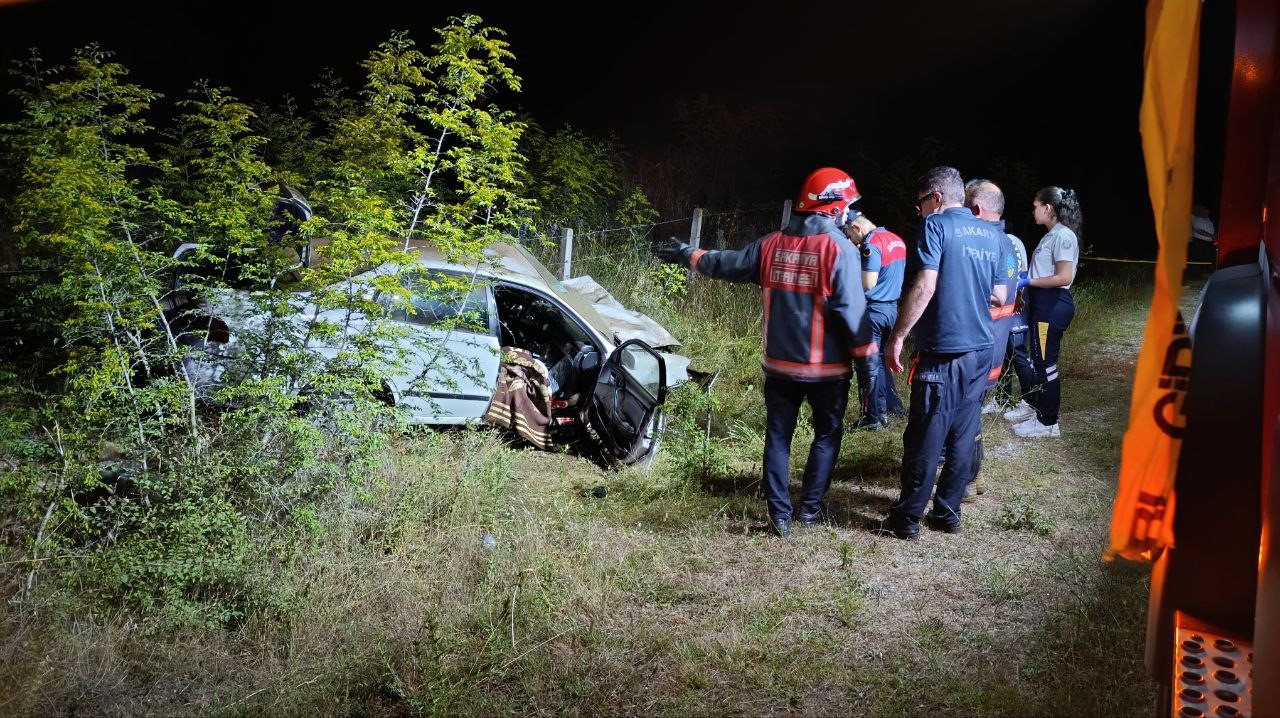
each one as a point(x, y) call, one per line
point(693, 258)
point(995, 372)
point(806, 370)
point(798, 264)
point(865, 350)
point(764, 328)
point(1002, 312)
point(815, 331)
point(784, 362)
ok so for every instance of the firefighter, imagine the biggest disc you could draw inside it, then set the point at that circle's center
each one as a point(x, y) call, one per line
point(958, 262)
point(883, 256)
point(815, 322)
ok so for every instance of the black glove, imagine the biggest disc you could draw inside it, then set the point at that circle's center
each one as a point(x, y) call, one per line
point(673, 251)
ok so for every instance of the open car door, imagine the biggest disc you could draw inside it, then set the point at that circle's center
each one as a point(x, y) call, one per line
point(625, 412)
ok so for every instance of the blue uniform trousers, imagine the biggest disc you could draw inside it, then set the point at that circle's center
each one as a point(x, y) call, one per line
point(782, 399)
point(876, 391)
point(1050, 312)
point(1017, 358)
point(946, 405)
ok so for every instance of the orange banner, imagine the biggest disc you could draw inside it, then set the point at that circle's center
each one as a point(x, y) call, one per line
point(1142, 521)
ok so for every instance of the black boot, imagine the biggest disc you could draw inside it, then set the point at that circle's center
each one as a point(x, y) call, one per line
point(781, 527)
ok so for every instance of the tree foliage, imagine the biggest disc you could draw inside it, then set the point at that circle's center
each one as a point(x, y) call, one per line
point(577, 178)
point(137, 479)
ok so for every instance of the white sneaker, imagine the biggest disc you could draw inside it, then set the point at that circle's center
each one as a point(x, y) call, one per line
point(991, 407)
point(1033, 429)
point(1021, 412)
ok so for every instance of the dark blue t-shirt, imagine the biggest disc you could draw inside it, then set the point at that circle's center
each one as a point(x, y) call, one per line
point(969, 257)
point(886, 254)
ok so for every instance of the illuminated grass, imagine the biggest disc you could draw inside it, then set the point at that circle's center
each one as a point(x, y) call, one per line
point(666, 597)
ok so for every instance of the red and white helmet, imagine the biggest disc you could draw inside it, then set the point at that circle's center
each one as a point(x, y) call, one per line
point(827, 190)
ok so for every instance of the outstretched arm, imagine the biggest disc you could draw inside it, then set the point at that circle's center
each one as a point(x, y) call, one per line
point(737, 265)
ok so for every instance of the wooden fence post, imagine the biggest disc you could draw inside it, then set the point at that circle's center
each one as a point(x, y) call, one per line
point(566, 253)
point(786, 214)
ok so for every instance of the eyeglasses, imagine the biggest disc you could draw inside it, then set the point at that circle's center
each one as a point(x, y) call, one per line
point(921, 199)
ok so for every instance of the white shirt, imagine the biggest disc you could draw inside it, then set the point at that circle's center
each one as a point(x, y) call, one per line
point(1059, 245)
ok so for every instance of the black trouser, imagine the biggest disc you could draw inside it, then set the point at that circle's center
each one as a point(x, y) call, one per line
point(782, 400)
point(1199, 250)
point(946, 405)
point(1049, 313)
point(876, 392)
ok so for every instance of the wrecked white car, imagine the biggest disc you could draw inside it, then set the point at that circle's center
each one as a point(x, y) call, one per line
point(602, 372)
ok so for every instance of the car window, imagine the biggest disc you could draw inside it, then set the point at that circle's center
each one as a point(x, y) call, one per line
point(576, 301)
point(444, 301)
point(643, 366)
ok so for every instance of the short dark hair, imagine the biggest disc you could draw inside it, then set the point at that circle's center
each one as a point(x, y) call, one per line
point(946, 181)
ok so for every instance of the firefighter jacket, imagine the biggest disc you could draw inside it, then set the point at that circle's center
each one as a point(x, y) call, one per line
point(815, 318)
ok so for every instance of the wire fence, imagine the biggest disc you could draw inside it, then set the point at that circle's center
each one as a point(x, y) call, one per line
point(582, 251)
point(585, 252)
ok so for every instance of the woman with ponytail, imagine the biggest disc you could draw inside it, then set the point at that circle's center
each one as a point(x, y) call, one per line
point(1050, 308)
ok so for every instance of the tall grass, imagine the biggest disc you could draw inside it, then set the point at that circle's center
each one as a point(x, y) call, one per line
point(465, 576)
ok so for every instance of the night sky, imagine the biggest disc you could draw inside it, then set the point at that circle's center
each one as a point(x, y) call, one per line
point(1056, 86)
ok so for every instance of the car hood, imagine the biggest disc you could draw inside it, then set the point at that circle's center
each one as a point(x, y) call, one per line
point(625, 324)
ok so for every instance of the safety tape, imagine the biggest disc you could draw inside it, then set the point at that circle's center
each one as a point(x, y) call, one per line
point(1135, 261)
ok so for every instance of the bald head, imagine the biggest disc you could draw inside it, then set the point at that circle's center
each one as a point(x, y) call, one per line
point(985, 199)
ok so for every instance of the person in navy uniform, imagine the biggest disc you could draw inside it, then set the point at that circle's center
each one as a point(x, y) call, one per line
point(815, 323)
point(884, 255)
point(958, 261)
point(986, 200)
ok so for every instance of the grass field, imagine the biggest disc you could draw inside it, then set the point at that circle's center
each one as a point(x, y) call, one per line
point(471, 577)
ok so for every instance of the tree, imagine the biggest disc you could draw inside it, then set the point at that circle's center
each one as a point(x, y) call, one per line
point(82, 211)
point(417, 156)
point(575, 179)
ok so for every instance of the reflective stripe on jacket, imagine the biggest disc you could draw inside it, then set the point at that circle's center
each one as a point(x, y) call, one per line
point(815, 318)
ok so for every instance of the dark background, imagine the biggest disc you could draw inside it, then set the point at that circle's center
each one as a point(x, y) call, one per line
point(1029, 94)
